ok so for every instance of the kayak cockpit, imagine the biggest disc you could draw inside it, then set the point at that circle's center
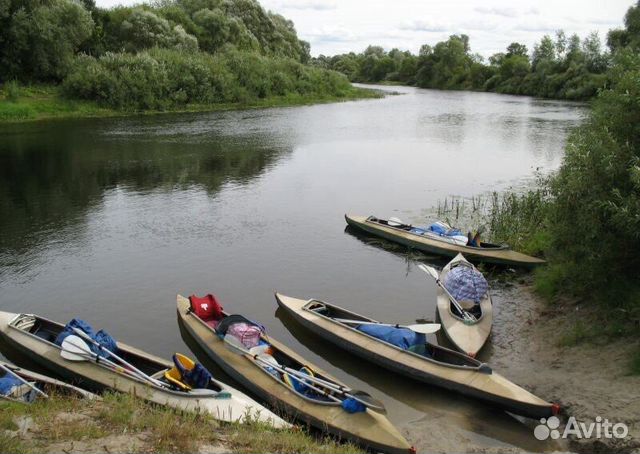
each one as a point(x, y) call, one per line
point(246, 337)
point(425, 233)
point(49, 331)
point(428, 351)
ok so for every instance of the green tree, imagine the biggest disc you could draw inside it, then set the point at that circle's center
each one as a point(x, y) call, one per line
point(630, 35)
point(37, 40)
point(517, 49)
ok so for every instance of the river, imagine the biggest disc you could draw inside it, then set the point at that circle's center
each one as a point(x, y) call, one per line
point(107, 219)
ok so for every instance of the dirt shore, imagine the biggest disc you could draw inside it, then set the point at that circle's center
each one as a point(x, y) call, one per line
point(589, 380)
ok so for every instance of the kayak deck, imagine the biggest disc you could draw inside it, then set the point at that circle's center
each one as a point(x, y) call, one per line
point(469, 338)
point(23, 393)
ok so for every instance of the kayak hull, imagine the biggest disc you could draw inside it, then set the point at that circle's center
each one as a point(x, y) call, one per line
point(368, 428)
point(46, 384)
point(470, 378)
point(499, 255)
point(467, 338)
point(235, 407)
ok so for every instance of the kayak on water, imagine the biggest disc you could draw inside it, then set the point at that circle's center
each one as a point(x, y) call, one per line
point(434, 243)
point(414, 357)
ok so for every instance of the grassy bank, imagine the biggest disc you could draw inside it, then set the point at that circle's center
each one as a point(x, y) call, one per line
point(42, 102)
point(121, 423)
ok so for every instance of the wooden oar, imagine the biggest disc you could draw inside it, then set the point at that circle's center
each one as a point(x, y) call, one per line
point(6, 369)
point(423, 328)
point(365, 399)
point(467, 317)
point(122, 361)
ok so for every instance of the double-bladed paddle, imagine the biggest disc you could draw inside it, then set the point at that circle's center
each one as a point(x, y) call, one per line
point(236, 346)
point(466, 316)
point(422, 328)
point(119, 359)
point(76, 349)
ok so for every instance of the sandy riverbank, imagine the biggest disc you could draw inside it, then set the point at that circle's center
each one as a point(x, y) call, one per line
point(587, 380)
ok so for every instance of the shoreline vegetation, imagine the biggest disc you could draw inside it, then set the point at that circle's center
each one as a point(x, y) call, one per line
point(124, 423)
point(45, 102)
point(71, 58)
point(585, 218)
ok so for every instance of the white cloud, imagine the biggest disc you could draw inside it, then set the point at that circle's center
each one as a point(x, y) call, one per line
point(330, 33)
point(424, 26)
point(504, 11)
point(541, 26)
point(317, 5)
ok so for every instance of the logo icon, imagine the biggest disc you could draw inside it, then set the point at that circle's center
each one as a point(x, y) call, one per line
point(547, 428)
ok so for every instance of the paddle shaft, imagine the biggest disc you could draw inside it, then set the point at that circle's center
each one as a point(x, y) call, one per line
point(125, 363)
point(119, 369)
point(426, 328)
point(433, 273)
point(298, 374)
point(5, 368)
point(304, 377)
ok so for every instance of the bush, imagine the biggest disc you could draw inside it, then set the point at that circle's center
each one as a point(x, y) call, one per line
point(165, 78)
point(11, 91)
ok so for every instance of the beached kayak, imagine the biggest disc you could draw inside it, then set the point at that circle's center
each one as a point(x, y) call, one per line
point(467, 335)
point(261, 375)
point(432, 243)
point(34, 337)
point(15, 389)
point(435, 365)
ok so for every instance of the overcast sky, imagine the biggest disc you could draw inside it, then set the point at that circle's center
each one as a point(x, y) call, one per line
point(339, 26)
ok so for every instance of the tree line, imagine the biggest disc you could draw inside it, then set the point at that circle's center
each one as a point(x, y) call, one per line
point(562, 67)
point(586, 217)
point(171, 52)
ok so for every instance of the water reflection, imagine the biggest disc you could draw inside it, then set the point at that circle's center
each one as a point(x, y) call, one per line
point(51, 181)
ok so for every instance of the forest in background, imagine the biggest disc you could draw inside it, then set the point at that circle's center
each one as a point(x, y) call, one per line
point(561, 67)
point(161, 55)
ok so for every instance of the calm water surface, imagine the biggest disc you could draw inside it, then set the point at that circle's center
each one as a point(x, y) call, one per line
point(108, 219)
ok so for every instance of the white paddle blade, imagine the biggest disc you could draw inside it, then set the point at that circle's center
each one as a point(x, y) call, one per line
point(75, 349)
point(394, 222)
point(425, 328)
point(429, 270)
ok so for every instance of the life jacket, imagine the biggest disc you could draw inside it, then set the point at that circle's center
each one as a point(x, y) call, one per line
point(207, 307)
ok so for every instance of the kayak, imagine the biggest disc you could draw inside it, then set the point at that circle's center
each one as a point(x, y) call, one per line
point(34, 337)
point(24, 393)
point(435, 244)
point(466, 336)
point(367, 428)
point(436, 365)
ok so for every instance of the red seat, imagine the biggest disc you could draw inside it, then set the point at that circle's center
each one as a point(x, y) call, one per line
point(206, 307)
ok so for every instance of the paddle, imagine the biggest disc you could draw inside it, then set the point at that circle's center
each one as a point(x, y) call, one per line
point(6, 369)
point(236, 346)
point(423, 328)
point(76, 349)
point(122, 361)
point(395, 222)
point(467, 317)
